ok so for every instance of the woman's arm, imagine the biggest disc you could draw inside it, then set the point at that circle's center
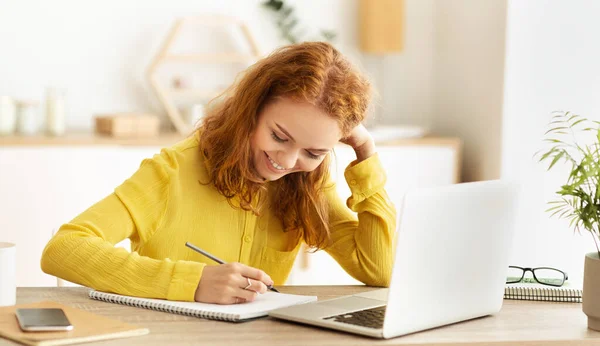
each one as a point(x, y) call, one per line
point(363, 245)
point(83, 251)
point(363, 229)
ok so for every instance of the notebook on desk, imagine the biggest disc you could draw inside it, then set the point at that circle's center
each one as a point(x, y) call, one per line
point(234, 313)
point(533, 291)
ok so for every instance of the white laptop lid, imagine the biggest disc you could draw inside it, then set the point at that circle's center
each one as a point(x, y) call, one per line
point(452, 256)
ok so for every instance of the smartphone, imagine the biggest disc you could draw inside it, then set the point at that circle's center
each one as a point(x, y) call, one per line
point(43, 320)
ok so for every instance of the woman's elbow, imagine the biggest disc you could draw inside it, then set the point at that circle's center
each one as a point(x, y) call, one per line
point(382, 279)
point(48, 257)
point(55, 253)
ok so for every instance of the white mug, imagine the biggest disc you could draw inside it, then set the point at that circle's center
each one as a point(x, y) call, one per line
point(8, 274)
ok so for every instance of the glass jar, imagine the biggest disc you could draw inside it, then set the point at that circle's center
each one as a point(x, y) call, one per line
point(27, 118)
point(55, 111)
point(7, 116)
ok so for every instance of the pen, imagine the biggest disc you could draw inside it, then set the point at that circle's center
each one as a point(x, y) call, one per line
point(216, 259)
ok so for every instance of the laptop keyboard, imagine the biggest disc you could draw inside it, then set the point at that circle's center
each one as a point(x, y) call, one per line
point(370, 318)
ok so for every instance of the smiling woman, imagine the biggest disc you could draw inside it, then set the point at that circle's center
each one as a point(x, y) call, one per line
point(277, 152)
point(249, 186)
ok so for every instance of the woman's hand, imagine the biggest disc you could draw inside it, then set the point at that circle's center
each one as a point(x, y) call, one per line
point(231, 283)
point(361, 141)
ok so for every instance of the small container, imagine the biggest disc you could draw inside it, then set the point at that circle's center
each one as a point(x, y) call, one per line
point(55, 111)
point(8, 116)
point(124, 125)
point(27, 118)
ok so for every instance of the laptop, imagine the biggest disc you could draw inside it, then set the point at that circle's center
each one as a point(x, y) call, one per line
point(451, 262)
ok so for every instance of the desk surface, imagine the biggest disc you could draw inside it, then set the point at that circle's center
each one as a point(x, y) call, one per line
point(519, 323)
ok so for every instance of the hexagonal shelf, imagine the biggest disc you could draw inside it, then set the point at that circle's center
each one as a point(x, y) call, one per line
point(166, 95)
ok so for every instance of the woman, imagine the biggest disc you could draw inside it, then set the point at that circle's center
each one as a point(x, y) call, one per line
point(249, 187)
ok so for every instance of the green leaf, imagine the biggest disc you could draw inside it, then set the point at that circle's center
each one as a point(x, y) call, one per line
point(554, 208)
point(273, 4)
point(566, 212)
point(556, 158)
point(546, 155)
point(286, 12)
point(555, 212)
point(577, 122)
point(328, 35)
point(556, 129)
point(291, 24)
point(575, 116)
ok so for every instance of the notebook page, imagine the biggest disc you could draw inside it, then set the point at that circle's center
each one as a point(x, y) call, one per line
point(259, 307)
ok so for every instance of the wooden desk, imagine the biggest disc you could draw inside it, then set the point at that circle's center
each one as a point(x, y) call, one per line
point(519, 323)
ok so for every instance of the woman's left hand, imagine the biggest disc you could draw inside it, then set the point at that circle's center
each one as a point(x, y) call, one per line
point(361, 141)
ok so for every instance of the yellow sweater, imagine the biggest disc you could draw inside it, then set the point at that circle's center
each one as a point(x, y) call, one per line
point(163, 205)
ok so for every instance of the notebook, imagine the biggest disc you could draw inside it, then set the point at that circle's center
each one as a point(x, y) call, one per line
point(234, 313)
point(534, 291)
point(86, 327)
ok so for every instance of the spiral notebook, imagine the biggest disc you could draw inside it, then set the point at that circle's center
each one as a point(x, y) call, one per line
point(234, 313)
point(527, 291)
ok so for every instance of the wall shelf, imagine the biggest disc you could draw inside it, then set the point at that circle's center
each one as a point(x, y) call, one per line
point(165, 55)
point(88, 139)
point(169, 138)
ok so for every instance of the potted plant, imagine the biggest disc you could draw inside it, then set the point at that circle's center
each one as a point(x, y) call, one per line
point(579, 197)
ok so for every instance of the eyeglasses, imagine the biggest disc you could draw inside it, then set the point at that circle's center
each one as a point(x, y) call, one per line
point(543, 275)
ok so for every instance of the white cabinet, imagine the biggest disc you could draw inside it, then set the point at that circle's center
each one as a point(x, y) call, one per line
point(43, 186)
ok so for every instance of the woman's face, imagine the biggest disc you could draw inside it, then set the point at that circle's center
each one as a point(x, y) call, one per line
point(292, 137)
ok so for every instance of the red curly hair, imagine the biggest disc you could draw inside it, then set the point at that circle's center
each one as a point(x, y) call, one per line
point(313, 72)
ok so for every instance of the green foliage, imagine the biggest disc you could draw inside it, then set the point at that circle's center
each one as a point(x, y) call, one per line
point(288, 23)
point(579, 199)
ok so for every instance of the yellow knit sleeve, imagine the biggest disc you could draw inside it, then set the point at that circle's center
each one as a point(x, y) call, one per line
point(363, 229)
point(83, 250)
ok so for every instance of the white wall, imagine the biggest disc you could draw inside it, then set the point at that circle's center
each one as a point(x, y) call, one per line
point(405, 79)
point(468, 79)
point(99, 51)
point(551, 64)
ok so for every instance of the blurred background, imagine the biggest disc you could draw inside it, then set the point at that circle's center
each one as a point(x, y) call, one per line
point(465, 91)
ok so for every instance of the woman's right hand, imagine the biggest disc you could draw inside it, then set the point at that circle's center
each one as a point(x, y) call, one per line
point(226, 284)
